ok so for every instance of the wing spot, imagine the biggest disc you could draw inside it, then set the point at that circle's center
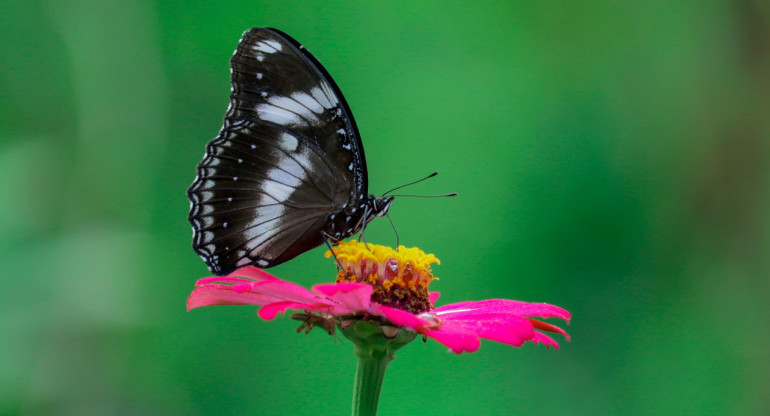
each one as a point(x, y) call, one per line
point(259, 75)
point(240, 160)
point(224, 224)
point(263, 93)
point(253, 146)
point(307, 100)
point(321, 97)
point(235, 178)
point(267, 46)
point(262, 263)
point(350, 166)
point(289, 142)
point(229, 199)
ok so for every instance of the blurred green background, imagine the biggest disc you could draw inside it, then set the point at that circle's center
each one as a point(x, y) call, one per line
point(611, 158)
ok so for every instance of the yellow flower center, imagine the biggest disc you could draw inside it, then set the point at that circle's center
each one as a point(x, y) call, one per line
point(400, 277)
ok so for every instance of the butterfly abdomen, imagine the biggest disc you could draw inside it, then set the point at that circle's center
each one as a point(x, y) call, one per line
point(347, 221)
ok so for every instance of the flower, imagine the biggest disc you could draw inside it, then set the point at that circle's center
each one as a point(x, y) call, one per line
point(379, 283)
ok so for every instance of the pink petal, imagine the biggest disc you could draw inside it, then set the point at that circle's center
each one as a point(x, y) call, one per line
point(400, 317)
point(501, 320)
point(210, 295)
point(287, 291)
point(300, 298)
point(457, 340)
point(433, 297)
point(269, 312)
point(542, 310)
point(353, 296)
point(222, 280)
point(543, 326)
point(508, 329)
point(541, 338)
point(242, 291)
point(248, 275)
point(253, 273)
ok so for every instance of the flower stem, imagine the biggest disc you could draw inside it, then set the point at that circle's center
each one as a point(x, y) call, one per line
point(369, 375)
point(374, 351)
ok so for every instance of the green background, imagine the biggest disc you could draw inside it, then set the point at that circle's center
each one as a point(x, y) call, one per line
point(611, 158)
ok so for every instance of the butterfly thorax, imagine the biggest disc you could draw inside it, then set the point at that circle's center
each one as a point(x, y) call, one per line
point(349, 220)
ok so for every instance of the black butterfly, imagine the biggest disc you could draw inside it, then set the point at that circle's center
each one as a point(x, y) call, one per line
point(287, 171)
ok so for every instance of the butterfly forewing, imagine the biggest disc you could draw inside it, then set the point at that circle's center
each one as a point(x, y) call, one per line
point(277, 80)
point(288, 154)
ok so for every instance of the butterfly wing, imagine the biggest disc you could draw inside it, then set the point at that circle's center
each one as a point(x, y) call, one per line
point(288, 155)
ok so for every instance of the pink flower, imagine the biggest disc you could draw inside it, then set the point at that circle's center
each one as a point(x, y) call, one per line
point(459, 326)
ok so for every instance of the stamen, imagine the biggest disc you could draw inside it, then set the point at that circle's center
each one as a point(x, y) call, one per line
point(400, 278)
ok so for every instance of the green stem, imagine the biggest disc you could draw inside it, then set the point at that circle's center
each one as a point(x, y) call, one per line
point(369, 375)
point(374, 351)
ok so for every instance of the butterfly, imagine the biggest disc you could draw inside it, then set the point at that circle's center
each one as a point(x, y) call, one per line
point(286, 172)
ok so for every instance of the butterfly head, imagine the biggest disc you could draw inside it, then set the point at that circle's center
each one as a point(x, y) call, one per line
point(381, 204)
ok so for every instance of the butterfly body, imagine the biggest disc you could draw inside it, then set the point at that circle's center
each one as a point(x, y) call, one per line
point(350, 219)
point(287, 170)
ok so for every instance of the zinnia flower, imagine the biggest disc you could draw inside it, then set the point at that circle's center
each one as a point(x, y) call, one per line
point(388, 287)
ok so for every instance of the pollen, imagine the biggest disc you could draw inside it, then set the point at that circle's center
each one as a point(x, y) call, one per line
point(400, 277)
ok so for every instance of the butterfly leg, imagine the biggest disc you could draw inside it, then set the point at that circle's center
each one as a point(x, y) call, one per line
point(364, 221)
point(328, 239)
point(394, 230)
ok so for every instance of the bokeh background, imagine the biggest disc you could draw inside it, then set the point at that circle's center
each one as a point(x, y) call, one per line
point(611, 158)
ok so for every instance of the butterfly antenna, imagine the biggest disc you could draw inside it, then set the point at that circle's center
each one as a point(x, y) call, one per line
point(412, 183)
point(362, 235)
point(428, 196)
